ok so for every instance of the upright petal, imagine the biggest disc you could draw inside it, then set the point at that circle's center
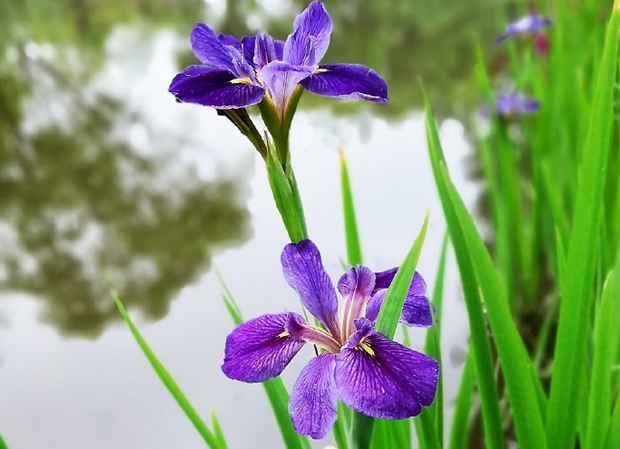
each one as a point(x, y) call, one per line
point(209, 49)
point(417, 310)
point(313, 401)
point(280, 79)
point(231, 41)
point(355, 286)
point(264, 51)
point(303, 270)
point(247, 46)
point(384, 379)
point(351, 81)
point(312, 30)
point(213, 87)
point(260, 349)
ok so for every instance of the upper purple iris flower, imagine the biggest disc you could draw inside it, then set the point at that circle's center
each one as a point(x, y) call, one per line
point(239, 73)
point(366, 370)
point(528, 25)
point(507, 105)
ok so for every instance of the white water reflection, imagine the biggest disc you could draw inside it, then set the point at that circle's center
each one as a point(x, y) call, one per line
point(60, 393)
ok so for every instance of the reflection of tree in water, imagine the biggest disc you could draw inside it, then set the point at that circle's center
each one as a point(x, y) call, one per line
point(85, 211)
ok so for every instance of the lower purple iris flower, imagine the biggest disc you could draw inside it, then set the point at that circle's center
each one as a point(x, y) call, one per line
point(367, 371)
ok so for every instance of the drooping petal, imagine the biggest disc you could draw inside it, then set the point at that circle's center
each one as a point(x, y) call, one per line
point(209, 49)
point(312, 30)
point(313, 401)
point(303, 270)
point(384, 379)
point(280, 79)
point(417, 310)
point(351, 81)
point(213, 87)
point(355, 286)
point(260, 349)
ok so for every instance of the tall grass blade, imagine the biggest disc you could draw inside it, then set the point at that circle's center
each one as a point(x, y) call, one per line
point(571, 341)
point(217, 431)
point(483, 360)
point(605, 346)
point(459, 433)
point(387, 321)
point(432, 345)
point(354, 250)
point(168, 381)
point(516, 365)
point(3, 444)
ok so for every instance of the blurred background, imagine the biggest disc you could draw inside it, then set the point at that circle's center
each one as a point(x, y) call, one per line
point(106, 181)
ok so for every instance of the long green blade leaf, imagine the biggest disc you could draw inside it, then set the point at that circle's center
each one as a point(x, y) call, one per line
point(168, 381)
point(516, 364)
point(605, 344)
point(483, 360)
point(354, 249)
point(432, 345)
point(387, 321)
point(571, 341)
point(459, 432)
point(3, 444)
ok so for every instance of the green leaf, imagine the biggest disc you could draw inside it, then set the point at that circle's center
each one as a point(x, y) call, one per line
point(571, 341)
point(274, 388)
point(217, 431)
point(354, 250)
point(208, 436)
point(3, 444)
point(432, 345)
point(473, 255)
point(459, 433)
point(613, 436)
point(483, 360)
point(387, 321)
point(516, 365)
point(426, 430)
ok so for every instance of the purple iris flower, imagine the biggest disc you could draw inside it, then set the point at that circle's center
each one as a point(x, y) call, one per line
point(528, 25)
point(239, 73)
point(366, 370)
point(507, 105)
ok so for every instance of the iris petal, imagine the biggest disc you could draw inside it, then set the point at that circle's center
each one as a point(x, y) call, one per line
point(260, 349)
point(313, 401)
point(280, 79)
point(351, 81)
point(384, 379)
point(355, 286)
point(213, 87)
point(417, 310)
point(209, 49)
point(312, 30)
point(304, 272)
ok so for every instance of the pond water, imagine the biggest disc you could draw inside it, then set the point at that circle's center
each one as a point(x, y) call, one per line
point(110, 183)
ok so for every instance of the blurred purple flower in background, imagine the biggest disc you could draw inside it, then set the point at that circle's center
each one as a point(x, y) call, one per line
point(515, 104)
point(366, 370)
point(239, 73)
point(526, 26)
